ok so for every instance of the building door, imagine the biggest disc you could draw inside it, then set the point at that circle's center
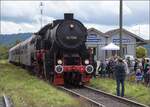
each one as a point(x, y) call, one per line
point(124, 50)
point(94, 52)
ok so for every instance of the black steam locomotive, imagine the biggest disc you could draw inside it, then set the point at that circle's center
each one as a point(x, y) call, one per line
point(57, 52)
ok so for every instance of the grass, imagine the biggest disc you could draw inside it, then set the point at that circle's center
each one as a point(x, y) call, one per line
point(133, 91)
point(28, 91)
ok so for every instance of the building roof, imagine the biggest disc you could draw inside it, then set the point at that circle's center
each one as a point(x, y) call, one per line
point(112, 32)
point(147, 41)
point(97, 32)
point(109, 33)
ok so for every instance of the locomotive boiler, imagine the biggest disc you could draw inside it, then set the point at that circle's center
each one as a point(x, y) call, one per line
point(57, 52)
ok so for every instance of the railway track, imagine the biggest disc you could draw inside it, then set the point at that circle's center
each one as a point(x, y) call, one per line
point(5, 101)
point(87, 101)
point(99, 98)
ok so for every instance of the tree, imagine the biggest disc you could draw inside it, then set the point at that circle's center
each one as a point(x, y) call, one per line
point(17, 41)
point(141, 52)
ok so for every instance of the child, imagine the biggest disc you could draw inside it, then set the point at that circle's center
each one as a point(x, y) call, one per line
point(138, 75)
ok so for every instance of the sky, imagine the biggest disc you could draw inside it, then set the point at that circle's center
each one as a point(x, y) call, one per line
point(24, 16)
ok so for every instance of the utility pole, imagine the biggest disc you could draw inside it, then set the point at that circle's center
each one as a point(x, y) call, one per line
point(149, 25)
point(41, 12)
point(120, 27)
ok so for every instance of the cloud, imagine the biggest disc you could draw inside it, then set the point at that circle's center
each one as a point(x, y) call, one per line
point(142, 30)
point(18, 11)
point(104, 15)
point(102, 28)
point(140, 13)
point(14, 27)
point(102, 12)
point(8, 27)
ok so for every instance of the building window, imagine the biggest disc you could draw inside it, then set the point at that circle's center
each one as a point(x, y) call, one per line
point(124, 50)
point(93, 38)
point(123, 40)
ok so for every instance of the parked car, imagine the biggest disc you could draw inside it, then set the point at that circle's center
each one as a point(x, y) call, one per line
point(147, 59)
point(131, 58)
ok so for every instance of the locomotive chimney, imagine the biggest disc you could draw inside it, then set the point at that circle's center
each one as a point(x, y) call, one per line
point(68, 16)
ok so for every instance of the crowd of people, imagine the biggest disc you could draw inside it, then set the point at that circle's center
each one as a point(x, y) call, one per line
point(142, 71)
point(118, 69)
point(139, 68)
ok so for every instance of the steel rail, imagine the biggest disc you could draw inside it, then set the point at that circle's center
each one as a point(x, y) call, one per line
point(7, 101)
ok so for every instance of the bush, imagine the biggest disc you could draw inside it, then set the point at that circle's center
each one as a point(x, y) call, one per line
point(141, 52)
point(3, 52)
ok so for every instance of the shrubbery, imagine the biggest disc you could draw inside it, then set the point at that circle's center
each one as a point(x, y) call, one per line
point(141, 52)
point(3, 52)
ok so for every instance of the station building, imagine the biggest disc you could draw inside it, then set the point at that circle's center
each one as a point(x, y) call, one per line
point(97, 39)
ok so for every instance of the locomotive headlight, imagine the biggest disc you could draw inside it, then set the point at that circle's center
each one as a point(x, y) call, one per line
point(59, 69)
point(89, 69)
point(59, 61)
point(86, 61)
point(71, 26)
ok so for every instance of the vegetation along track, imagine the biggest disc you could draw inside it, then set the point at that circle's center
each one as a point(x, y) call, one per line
point(102, 99)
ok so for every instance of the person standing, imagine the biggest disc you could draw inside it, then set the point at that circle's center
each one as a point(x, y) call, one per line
point(146, 68)
point(138, 75)
point(111, 66)
point(143, 62)
point(95, 66)
point(148, 73)
point(102, 69)
point(126, 69)
point(135, 65)
point(120, 76)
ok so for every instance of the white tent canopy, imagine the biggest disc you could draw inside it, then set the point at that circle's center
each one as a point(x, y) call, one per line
point(111, 46)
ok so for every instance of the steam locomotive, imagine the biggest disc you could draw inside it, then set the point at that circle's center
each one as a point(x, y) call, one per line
point(57, 52)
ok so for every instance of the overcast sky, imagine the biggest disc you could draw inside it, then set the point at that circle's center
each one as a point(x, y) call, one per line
point(24, 16)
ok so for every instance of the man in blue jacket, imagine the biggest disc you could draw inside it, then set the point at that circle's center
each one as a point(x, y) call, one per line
point(120, 76)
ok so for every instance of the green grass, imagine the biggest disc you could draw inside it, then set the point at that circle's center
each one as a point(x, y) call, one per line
point(133, 91)
point(28, 91)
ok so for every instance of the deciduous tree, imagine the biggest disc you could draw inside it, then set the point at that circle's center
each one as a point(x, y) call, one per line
point(141, 52)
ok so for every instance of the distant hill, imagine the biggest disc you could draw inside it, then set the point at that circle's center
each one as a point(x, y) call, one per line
point(10, 39)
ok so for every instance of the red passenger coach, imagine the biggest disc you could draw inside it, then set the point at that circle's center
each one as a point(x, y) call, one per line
point(57, 53)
